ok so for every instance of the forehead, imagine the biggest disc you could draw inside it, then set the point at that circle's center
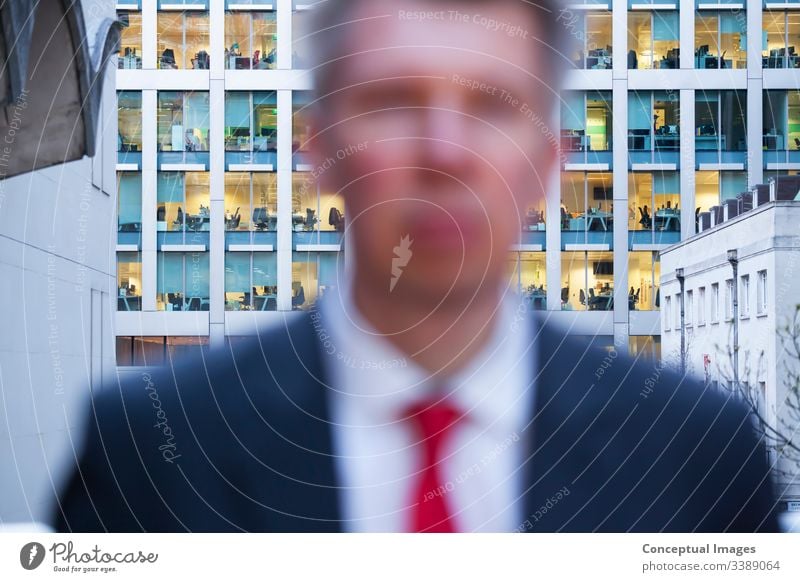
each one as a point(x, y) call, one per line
point(494, 42)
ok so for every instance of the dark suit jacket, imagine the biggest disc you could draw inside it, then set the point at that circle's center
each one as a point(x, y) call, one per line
point(240, 441)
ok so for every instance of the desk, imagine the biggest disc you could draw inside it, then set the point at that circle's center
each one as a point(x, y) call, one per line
point(198, 222)
point(668, 141)
point(772, 141)
point(600, 217)
point(668, 219)
point(601, 302)
point(709, 142)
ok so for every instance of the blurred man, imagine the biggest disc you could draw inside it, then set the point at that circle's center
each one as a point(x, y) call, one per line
point(423, 396)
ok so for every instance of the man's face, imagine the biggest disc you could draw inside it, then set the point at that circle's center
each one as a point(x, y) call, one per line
point(439, 131)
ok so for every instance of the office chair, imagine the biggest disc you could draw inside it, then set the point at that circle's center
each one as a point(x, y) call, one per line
point(582, 297)
point(168, 59)
point(194, 304)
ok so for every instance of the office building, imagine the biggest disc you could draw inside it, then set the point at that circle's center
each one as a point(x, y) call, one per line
point(740, 280)
point(669, 108)
point(57, 185)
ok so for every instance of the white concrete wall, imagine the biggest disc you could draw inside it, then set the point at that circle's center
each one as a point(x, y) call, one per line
point(57, 274)
point(765, 239)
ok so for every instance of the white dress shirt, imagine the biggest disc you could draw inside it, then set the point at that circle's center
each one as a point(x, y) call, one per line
point(378, 457)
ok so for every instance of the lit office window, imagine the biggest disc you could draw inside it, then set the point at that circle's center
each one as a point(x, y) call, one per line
point(314, 275)
point(251, 121)
point(644, 276)
point(182, 282)
point(654, 201)
point(653, 121)
point(129, 281)
point(586, 121)
point(587, 281)
point(587, 201)
point(183, 120)
point(183, 40)
point(129, 202)
point(156, 350)
point(129, 121)
point(251, 281)
point(782, 38)
point(527, 273)
point(720, 120)
point(653, 40)
point(314, 209)
point(712, 188)
point(301, 129)
point(250, 40)
point(592, 29)
point(130, 49)
point(761, 293)
point(184, 202)
point(720, 40)
point(781, 120)
point(251, 201)
point(646, 348)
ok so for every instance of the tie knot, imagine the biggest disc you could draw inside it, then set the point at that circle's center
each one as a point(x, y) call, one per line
point(434, 421)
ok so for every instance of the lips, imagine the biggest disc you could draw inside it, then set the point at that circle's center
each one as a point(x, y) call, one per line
point(443, 230)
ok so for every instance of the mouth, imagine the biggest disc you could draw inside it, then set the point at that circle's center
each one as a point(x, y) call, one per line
point(446, 231)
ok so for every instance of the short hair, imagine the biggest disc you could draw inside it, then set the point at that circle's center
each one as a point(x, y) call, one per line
point(325, 31)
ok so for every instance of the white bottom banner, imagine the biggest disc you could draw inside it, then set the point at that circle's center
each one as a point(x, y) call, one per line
point(353, 558)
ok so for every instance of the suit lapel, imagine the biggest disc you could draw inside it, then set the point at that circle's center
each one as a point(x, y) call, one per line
point(563, 463)
point(303, 485)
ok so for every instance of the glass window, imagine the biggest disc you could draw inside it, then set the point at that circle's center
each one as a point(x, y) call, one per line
point(714, 302)
point(667, 313)
point(250, 40)
point(129, 202)
point(773, 54)
point(251, 201)
point(598, 40)
point(586, 121)
point(588, 281)
point(701, 306)
point(314, 209)
point(689, 308)
point(129, 281)
point(184, 201)
point(251, 281)
point(653, 40)
point(301, 35)
point(720, 120)
point(183, 119)
point(527, 273)
point(644, 274)
point(713, 188)
point(251, 121)
point(313, 275)
point(744, 300)
point(183, 40)
point(182, 282)
point(129, 120)
point(586, 201)
point(792, 40)
point(301, 130)
point(654, 201)
point(761, 293)
point(130, 48)
point(720, 40)
point(156, 350)
point(645, 348)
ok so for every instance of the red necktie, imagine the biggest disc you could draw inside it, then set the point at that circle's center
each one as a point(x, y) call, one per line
point(429, 512)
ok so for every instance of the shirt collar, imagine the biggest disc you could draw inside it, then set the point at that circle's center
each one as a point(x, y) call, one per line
point(369, 374)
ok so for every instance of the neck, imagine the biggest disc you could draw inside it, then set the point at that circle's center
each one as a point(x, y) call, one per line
point(442, 336)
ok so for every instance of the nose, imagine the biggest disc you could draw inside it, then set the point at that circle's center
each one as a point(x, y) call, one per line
point(446, 144)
